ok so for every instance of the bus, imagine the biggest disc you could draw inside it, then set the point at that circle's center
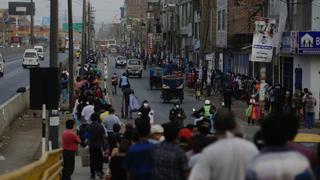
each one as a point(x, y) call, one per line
point(111, 43)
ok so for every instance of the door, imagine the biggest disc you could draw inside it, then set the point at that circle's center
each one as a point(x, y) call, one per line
point(298, 77)
point(287, 73)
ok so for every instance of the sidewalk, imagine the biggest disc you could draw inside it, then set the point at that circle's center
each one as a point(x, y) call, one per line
point(20, 144)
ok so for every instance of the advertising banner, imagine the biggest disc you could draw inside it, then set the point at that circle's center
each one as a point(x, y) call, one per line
point(21, 8)
point(150, 43)
point(262, 45)
point(309, 42)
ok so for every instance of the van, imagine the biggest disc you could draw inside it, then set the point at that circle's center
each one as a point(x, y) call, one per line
point(30, 58)
point(1, 65)
point(39, 49)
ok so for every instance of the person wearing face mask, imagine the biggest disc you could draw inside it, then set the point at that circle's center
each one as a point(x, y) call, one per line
point(145, 110)
point(177, 114)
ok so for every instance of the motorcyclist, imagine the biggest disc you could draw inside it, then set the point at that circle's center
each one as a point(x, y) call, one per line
point(207, 110)
point(177, 114)
point(145, 110)
point(207, 113)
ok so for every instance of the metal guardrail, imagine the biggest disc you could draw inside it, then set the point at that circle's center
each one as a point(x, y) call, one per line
point(49, 167)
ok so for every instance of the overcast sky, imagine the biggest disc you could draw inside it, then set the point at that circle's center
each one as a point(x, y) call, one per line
point(106, 10)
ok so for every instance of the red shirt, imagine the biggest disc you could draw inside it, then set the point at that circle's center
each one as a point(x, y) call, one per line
point(70, 140)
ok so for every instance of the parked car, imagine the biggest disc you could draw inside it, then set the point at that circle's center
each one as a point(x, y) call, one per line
point(121, 61)
point(134, 67)
point(1, 65)
point(30, 58)
point(40, 51)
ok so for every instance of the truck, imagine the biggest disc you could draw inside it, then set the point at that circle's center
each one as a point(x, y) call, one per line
point(172, 88)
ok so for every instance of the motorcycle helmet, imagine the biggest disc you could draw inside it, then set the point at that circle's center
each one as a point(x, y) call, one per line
point(207, 102)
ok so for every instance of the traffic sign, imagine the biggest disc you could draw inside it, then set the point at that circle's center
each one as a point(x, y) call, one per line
point(75, 26)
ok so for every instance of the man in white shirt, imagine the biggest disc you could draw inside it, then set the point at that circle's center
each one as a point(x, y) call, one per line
point(87, 111)
point(111, 120)
point(226, 159)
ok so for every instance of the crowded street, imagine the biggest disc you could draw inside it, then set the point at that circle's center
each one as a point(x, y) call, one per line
point(160, 90)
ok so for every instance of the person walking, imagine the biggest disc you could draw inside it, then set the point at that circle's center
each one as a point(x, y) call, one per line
point(64, 87)
point(126, 101)
point(276, 160)
point(124, 82)
point(177, 115)
point(96, 136)
point(310, 104)
point(111, 120)
point(168, 159)
point(87, 111)
point(138, 163)
point(227, 94)
point(228, 157)
point(114, 83)
point(70, 143)
point(145, 110)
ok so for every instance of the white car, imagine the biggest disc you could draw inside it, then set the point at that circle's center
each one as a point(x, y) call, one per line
point(30, 58)
point(1, 65)
point(40, 51)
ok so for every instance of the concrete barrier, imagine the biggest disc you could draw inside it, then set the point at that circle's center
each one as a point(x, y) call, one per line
point(6, 52)
point(19, 103)
point(12, 108)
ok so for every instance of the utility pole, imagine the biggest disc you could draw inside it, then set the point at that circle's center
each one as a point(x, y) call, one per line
point(54, 33)
point(31, 24)
point(89, 26)
point(83, 41)
point(71, 72)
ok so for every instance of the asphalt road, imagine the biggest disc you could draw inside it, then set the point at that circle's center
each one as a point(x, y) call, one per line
point(143, 92)
point(15, 76)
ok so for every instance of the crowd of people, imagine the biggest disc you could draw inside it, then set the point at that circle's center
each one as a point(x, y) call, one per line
point(177, 151)
point(262, 97)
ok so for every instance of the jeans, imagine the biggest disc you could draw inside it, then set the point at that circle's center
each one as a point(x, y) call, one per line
point(68, 164)
point(65, 95)
point(96, 160)
point(114, 89)
point(76, 119)
point(309, 120)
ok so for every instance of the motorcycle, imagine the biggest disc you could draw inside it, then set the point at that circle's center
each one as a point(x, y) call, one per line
point(199, 116)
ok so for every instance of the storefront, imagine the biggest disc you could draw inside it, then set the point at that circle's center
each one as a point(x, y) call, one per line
point(307, 64)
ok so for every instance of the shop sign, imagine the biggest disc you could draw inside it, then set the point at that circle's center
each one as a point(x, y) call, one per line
point(262, 45)
point(309, 42)
point(150, 43)
point(288, 44)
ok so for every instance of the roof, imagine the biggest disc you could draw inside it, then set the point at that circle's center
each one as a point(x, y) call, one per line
point(30, 50)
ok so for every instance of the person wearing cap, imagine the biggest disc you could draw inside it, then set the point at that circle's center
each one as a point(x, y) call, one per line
point(156, 135)
point(177, 114)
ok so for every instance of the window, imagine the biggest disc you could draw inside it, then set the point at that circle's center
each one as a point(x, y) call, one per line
point(219, 20)
point(223, 20)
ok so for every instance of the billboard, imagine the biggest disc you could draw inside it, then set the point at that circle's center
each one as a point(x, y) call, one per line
point(21, 8)
point(309, 42)
point(75, 26)
point(262, 45)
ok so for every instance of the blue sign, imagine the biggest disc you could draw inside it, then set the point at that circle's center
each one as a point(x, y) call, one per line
point(45, 21)
point(309, 42)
